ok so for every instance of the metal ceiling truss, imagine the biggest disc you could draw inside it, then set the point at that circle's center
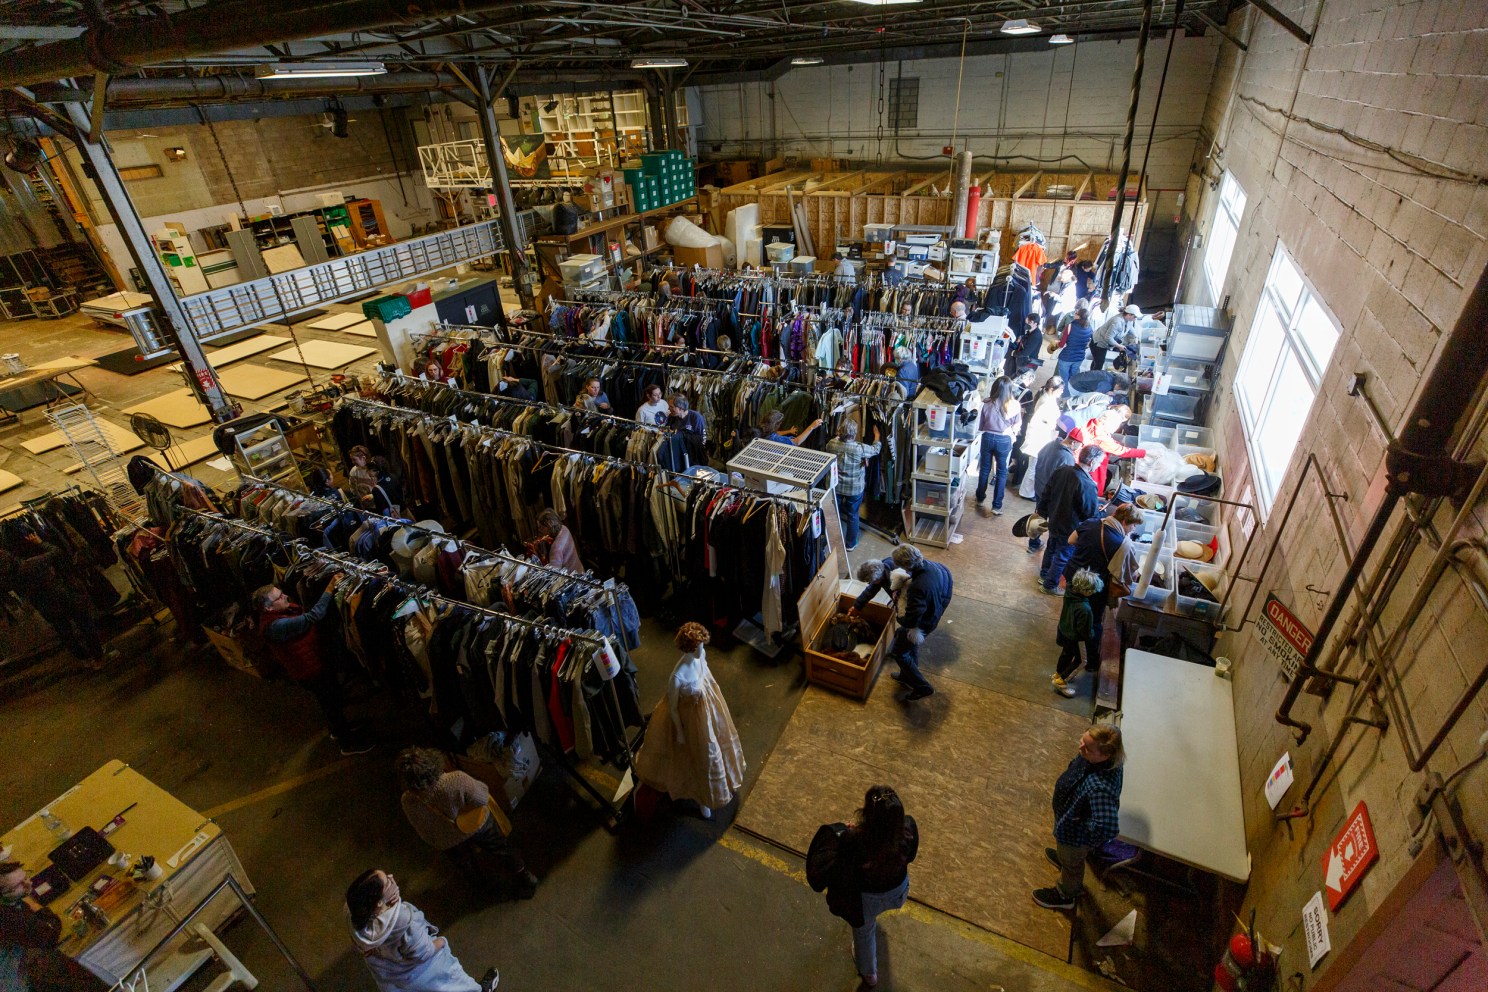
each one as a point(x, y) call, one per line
point(44, 40)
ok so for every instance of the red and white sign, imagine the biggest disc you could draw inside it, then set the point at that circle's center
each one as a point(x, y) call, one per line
point(1284, 636)
point(1349, 857)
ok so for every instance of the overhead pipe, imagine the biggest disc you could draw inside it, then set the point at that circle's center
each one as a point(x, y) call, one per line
point(1420, 461)
point(1126, 153)
point(230, 88)
point(215, 28)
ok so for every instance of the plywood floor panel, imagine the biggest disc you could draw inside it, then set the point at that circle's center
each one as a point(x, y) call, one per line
point(254, 382)
point(323, 354)
point(975, 767)
point(363, 330)
point(121, 439)
point(245, 349)
point(178, 408)
point(184, 453)
point(337, 321)
point(9, 480)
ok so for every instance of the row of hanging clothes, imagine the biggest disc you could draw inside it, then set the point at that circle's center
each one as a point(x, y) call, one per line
point(517, 583)
point(472, 669)
point(464, 354)
point(53, 552)
point(629, 518)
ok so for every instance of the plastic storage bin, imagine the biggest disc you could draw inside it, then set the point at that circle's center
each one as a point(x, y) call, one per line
point(1159, 592)
point(1194, 606)
point(1156, 435)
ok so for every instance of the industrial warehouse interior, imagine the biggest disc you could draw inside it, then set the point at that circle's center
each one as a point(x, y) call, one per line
point(612, 495)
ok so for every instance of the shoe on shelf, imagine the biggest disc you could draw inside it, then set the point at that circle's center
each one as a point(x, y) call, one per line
point(1053, 857)
point(490, 980)
point(919, 693)
point(1063, 688)
point(1052, 898)
point(1056, 591)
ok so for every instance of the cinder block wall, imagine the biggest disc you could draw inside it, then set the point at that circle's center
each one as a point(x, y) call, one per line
point(1393, 250)
point(1062, 109)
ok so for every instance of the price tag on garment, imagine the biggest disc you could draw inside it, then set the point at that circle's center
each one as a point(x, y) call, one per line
point(816, 524)
point(606, 661)
point(470, 314)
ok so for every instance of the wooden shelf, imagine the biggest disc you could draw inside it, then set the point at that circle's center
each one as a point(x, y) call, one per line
point(622, 220)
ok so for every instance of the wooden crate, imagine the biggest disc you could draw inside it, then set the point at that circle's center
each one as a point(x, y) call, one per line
point(822, 598)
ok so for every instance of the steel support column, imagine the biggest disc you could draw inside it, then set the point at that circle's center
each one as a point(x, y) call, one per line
point(200, 375)
point(669, 110)
point(655, 119)
point(511, 223)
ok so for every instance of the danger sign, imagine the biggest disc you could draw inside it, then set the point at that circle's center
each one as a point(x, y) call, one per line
point(1284, 636)
point(1349, 857)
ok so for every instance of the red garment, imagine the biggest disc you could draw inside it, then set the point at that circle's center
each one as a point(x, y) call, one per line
point(300, 657)
point(562, 722)
point(1095, 433)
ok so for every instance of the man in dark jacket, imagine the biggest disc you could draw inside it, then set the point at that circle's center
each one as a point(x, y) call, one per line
point(921, 590)
point(29, 934)
point(1068, 500)
point(1087, 802)
point(1052, 457)
point(289, 631)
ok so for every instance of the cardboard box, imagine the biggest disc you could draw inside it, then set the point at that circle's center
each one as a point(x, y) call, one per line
point(817, 604)
point(709, 258)
point(237, 654)
point(649, 237)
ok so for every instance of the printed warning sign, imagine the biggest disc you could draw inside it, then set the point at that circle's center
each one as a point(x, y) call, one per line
point(1283, 635)
point(1349, 857)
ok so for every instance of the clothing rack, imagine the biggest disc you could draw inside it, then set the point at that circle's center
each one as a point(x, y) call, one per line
point(545, 446)
point(345, 561)
point(430, 384)
point(581, 577)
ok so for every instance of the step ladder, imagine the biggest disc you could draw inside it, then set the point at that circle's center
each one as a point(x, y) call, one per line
point(105, 466)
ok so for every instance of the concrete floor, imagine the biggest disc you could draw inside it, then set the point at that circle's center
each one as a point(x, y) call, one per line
point(677, 903)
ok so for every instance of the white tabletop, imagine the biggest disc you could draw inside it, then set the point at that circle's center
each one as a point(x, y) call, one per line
point(1180, 796)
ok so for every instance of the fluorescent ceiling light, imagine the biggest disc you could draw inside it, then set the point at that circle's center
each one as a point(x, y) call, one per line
point(883, 3)
point(1061, 39)
point(1019, 26)
point(806, 60)
point(662, 62)
point(318, 70)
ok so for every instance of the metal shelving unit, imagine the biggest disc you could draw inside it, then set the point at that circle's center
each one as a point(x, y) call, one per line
point(945, 453)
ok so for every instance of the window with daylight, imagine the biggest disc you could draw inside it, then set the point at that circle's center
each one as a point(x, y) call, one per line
point(1291, 341)
point(1222, 234)
point(904, 103)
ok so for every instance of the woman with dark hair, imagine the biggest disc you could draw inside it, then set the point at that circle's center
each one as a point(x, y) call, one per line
point(1000, 422)
point(691, 749)
point(402, 949)
point(873, 858)
point(318, 482)
point(361, 477)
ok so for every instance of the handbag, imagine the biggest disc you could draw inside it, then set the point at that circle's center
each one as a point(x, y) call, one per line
point(471, 819)
point(1116, 590)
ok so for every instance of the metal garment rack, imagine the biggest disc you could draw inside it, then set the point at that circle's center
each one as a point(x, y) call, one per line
point(615, 804)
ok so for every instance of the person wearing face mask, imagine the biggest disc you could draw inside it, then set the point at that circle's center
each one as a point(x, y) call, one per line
point(29, 934)
point(401, 948)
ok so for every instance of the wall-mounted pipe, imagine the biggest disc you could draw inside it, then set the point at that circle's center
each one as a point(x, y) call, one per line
point(1419, 461)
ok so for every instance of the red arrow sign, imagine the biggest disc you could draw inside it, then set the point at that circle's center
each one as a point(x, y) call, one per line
point(1349, 857)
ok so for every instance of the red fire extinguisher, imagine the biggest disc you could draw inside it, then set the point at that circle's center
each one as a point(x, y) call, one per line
point(973, 205)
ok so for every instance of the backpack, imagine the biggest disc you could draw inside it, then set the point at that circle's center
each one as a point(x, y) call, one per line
point(827, 868)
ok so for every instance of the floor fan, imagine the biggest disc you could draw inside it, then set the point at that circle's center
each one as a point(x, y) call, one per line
point(153, 433)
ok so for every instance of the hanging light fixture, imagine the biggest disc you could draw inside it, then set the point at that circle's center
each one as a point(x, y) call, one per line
point(882, 3)
point(659, 62)
point(806, 60)
point(1061, 39)
point(318, 70)
point(1020, 26)
point(24, 155)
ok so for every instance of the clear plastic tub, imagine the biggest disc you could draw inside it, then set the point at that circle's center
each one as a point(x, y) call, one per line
point(1194, 437)
point(1159, 592)
point(1207, 510)
point(1151, 435)
point(1194, 606)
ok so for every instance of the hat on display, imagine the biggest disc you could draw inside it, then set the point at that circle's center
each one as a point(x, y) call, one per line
point(1151, 501)
point(1132, 310)
point(409, 539)
point(1202, 484)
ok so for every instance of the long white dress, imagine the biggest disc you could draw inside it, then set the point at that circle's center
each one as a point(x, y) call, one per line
point(691, 750)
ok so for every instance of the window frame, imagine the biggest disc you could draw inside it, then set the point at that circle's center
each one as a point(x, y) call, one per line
point(1259, 375)
point(1224, 213)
